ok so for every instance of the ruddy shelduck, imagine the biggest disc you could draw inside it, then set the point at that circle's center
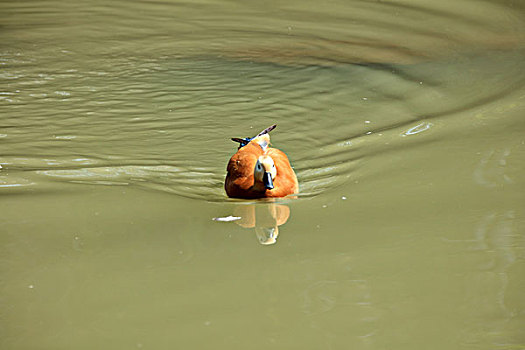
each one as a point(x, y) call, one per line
point(258, 170)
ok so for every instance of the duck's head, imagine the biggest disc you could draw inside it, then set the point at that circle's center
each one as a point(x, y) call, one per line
point(265, 171)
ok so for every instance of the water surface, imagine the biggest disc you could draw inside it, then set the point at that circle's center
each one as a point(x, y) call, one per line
point(403, 121)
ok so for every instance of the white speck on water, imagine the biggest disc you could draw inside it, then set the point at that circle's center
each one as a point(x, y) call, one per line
point(343, 198)
point(368, 132)
point(227, 218)
point(324, 205)
point(31, 286)
point(367, 121)
point(365, 98)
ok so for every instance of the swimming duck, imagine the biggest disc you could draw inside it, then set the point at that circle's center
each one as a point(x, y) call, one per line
point(258, 170)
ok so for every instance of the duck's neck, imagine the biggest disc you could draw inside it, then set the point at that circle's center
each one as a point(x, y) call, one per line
point(258, 186)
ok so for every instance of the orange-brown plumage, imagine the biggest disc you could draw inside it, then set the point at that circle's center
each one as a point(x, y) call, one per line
point(255, 158)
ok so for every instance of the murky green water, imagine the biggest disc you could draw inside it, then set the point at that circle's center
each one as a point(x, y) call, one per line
point(403, 120)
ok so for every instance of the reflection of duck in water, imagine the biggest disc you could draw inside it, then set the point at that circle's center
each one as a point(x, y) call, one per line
point(258, 171)
point(265, 218)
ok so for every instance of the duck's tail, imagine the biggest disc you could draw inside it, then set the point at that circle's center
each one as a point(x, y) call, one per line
point(267, 130)
point(244, 141)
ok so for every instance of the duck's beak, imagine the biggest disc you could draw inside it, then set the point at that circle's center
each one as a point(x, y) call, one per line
point(267, 180)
